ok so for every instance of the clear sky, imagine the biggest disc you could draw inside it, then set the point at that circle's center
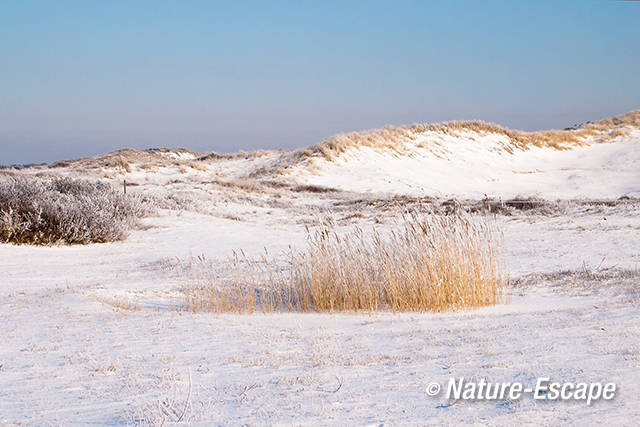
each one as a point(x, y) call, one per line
point(85, 77)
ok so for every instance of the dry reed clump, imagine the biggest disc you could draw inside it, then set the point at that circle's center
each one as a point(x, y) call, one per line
point(397, 139)
point(64, 210)
point(245, 185)
point(424, 263)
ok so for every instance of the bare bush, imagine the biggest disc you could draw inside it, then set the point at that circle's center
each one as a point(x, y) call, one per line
point(424, 263)
point(181, 201)
point(308, 188)
point(65, 210)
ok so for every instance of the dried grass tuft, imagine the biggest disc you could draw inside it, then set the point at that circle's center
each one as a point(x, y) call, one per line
point(424, 263)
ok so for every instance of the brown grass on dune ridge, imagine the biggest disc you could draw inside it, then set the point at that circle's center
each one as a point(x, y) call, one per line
point(397, 138)
point(424, 263)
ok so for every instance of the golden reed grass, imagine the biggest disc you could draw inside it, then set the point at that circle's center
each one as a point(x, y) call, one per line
point(423, 263)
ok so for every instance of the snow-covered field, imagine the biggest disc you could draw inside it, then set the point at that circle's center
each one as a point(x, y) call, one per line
point(89, 333)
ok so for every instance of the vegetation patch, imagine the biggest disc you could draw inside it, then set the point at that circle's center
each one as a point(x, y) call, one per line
point(423, 263)
point(45, 211)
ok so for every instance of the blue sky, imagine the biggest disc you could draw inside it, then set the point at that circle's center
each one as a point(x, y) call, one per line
point(85, 77)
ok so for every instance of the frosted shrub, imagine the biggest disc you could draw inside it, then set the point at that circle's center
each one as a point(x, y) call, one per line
point(65, 210)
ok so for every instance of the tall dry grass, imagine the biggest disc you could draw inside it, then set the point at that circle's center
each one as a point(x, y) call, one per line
point(423, 263)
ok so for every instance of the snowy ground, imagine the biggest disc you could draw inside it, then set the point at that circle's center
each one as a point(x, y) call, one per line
point(66, 358)
point(87, 336)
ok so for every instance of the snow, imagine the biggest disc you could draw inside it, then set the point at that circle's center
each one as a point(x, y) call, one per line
point(126, 264)
point(77, 360)
point(88, 335)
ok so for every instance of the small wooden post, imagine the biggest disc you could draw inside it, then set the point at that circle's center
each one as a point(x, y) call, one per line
point(125, 186)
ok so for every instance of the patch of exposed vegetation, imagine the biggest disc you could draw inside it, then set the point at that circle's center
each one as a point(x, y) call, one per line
point(425, 263)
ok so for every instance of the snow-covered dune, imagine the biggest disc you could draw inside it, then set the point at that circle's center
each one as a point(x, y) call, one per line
point(474, 161)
